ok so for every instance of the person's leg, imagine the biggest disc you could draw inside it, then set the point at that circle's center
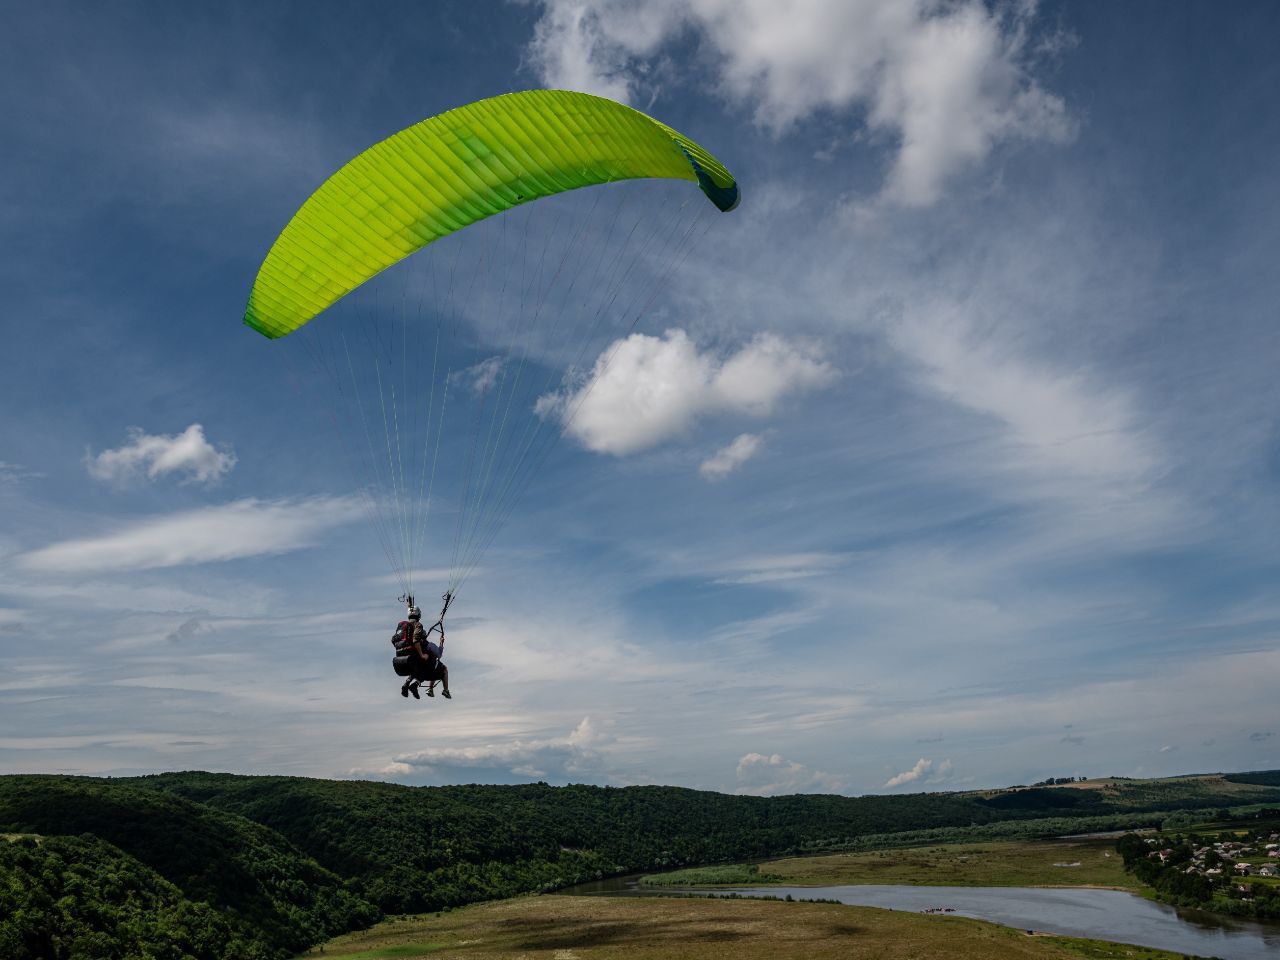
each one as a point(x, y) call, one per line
point(417, 676)
point(444, 682)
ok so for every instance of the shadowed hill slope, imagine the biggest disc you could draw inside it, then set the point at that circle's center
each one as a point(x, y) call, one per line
point(268, 890)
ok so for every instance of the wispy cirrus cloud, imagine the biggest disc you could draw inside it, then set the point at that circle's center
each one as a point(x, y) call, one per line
point(775, 568)
point(157, 455)
point(231, 531)
point(14, 473)
point(1064, 421)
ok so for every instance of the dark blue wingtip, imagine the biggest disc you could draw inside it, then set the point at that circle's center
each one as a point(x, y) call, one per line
point(725, 198)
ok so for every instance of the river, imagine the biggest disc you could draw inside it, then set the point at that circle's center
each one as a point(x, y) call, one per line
point(1074, 911)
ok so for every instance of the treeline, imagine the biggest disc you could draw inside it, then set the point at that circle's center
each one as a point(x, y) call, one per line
point(422, 849)
point(286, 862)
point(1037, 829)
point(1265, 778)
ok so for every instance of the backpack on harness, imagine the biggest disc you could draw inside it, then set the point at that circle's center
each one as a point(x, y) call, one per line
point(403, 637)
point(402, 663)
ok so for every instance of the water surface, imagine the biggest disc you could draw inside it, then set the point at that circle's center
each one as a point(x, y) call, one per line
point(1073, 911)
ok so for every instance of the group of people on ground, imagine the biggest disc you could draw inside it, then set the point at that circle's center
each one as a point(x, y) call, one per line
point(418, 656)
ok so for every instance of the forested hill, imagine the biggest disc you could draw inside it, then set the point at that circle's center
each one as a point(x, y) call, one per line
point(261, 867)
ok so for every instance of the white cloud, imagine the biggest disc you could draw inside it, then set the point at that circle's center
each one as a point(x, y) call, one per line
point(576, 46)
point(729, 458)
point(762, 775)
point(157, 455)
point(946, 82)
point(232, 531)
point(923, 770)
point(558, 758)
point(644, 389)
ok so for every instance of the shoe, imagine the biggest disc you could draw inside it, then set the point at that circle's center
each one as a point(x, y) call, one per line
point(404, 690)
point(430, 692)
point(447, 695)
point(414, 691)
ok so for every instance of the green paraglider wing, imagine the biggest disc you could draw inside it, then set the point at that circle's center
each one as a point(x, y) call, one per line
point(454, 169)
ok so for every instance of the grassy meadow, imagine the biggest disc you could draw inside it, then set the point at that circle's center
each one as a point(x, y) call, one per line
point(657, 928)
point(1030, 864)
point(1045, 863)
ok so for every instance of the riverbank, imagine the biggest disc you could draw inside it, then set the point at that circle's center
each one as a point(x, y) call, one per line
point(659, 928)
point(1050, 863)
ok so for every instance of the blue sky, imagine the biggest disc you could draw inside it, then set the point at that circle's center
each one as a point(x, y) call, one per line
point(962, 472)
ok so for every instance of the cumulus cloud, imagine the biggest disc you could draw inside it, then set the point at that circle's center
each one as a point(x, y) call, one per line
point(1260, 736)
point(763, 775)
point(644, 390)
point(729, 458)
point(158, 455)
point(231, 531)
point(923, 771)
point(944, 82)
point(555, 758)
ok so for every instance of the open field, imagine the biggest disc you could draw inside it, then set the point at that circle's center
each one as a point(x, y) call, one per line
point(1007, 864)
point(655, 928)
point(1192, 790)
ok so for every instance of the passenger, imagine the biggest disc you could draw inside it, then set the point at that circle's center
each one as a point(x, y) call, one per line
point(423, 656)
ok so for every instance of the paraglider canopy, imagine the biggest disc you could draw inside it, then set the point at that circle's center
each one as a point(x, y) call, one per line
point(454, 169)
